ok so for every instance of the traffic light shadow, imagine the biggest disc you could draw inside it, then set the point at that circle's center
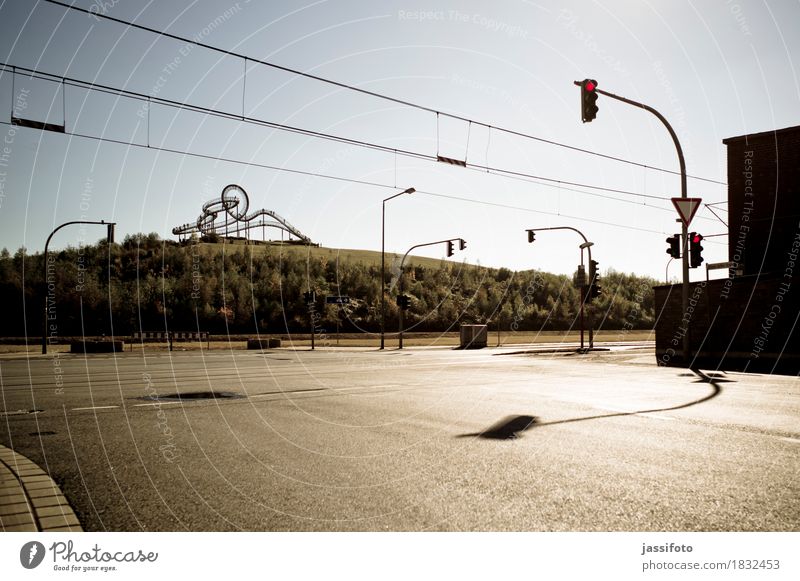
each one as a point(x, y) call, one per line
point(511, 427)
point(508, 428)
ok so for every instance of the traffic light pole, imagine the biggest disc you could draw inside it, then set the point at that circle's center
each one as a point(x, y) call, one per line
point(684, 229)
point(402, 279)
point(588, 245)
point(110, 226)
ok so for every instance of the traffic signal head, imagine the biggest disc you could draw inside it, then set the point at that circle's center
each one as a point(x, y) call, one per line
point(595, 290)
point(588, 100)
point(403, 301)
point(462, 244)
point(674, 249)
point(531, 236)
point(592, 270)
point(695, 249)
point(450, 248)
point(111, 233)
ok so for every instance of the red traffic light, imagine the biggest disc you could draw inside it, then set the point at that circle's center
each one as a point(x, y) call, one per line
point(588, 99)
point(697, 238)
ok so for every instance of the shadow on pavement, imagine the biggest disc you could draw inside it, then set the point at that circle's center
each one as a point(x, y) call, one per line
point(510, 427)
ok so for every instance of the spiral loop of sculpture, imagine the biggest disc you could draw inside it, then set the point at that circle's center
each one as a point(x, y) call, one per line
point(231, 207)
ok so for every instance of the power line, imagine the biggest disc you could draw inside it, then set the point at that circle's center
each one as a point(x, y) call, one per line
point(522, 176)
point(373, 93)
point(346, 180)
point(89, 86)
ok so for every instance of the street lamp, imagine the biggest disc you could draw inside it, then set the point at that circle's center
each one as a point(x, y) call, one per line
point(383, 260)
point(110, 235)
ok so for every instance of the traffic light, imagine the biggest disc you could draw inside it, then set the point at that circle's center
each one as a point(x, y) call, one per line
point(310, 297)
point(579, 280)
point(462, 244)
point(450, 249)
point(588, 100)
point(695, 249)
point(674, 249)
point(531, 236)
point(111, 233)
point(595, 290)
point(403, 301)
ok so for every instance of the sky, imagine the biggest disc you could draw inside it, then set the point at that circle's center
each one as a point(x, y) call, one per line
point(714, 69)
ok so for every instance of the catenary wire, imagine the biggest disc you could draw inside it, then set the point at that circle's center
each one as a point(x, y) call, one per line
point(344, 179)
point(375, 94)
point(89, 86)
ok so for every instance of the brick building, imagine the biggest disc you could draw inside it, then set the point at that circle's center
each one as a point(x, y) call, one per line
point(750, 320)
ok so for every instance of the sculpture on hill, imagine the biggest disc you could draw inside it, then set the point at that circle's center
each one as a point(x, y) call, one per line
point(227, 217)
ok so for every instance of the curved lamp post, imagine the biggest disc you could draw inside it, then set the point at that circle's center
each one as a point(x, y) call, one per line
point(383, 260)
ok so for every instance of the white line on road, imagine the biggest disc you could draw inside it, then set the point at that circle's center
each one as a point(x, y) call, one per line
point(158, 403)
point(99, 407)
point(792, 440)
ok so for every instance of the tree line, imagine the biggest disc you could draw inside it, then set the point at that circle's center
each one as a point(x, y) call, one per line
point(149, 284)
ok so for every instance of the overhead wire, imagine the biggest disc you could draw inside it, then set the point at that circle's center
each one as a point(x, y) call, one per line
point(349, 87)
point(340, 178)
point(107, 89)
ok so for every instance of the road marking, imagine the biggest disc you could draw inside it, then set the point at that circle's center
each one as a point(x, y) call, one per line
point(289, 392)
point(635, 413)
point(791, 440)
point(158, 403)
point(99, 407)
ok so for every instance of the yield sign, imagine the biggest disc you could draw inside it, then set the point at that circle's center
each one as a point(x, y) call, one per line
point(687, 208)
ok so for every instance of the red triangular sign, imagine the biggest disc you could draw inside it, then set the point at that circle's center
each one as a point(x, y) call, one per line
point(687, 208)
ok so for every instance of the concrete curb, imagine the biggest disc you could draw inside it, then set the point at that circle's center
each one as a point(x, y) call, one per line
point(29, 499)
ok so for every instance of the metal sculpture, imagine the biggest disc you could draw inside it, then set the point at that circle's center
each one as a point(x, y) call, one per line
point(233, 205)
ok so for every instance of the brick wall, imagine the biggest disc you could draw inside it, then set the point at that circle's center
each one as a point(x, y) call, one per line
point(749, 322)
point(746, 323)
point(763, 198)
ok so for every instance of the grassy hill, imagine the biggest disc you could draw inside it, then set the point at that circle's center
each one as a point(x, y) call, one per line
point(148, 283)
point(366, 257)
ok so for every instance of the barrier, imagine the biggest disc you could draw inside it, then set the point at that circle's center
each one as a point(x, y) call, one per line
point(263, 343)
point(170, 337)
point(96, 346)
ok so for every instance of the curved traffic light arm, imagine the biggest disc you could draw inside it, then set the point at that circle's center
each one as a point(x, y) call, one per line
point(463, 245)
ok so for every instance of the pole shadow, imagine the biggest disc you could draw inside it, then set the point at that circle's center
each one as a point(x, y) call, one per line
point(511, 427)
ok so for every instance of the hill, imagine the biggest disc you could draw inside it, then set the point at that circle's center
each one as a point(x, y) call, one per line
point(300, 251)
point(146, 284)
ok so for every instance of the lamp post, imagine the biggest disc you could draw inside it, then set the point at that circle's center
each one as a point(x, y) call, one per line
point(585, 245)
point(383, 260)
point(110, 236)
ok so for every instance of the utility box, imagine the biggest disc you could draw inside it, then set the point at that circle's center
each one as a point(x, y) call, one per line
point(263, 343)
point(474, 336)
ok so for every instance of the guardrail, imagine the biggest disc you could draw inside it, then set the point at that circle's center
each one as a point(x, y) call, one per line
point(170, 337)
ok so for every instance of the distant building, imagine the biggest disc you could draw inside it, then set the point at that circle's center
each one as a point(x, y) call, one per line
point(749, 321)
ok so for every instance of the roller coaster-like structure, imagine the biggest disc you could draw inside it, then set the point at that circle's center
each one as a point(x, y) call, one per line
point(233, 205)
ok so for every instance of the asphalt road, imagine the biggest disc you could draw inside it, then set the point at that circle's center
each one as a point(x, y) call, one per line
point(423, 439)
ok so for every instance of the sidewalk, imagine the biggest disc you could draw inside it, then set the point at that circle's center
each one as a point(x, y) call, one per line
point(29, 499)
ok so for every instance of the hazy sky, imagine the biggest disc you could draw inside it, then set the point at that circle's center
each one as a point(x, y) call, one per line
point(715, 69)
